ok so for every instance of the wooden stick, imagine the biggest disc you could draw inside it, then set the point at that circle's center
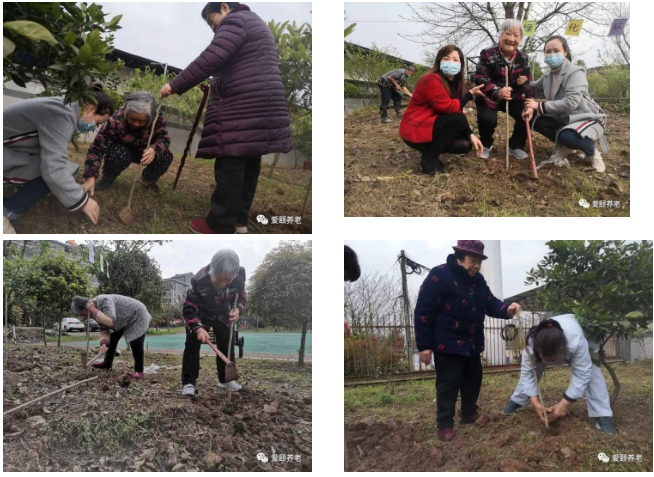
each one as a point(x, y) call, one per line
point(506, 102)
point(93, 360)
point(49, 394)
point(304, 206)
point(533, 368)
point(205, 90)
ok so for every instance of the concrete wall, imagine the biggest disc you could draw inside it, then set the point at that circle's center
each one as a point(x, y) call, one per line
point(635, 350)
point(354, 104)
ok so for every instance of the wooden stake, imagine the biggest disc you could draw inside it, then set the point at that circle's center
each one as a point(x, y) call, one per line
point(48, 395)
point(506, 102)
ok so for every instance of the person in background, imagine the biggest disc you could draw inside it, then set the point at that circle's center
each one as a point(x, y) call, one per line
point(352, 274)
point(452, 305)
point(434, 122)
point(123, 140)
point(208, 306)
point(117, 316)
point(561, 341)
point(390, 85)
point(491, 74)
point(247, 116)
point(568, 117)
point(35, 137)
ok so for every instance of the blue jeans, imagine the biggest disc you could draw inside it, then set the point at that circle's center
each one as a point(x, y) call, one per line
point(27, 195)
point(569, 138)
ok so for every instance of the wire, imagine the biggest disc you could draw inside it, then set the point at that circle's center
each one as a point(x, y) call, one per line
point(415, 267)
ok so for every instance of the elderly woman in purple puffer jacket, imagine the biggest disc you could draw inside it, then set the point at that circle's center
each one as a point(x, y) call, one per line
point(247, 115)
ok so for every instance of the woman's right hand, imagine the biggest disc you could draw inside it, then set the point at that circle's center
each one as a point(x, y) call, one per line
point(92, 211)
point(476, 91)
point(203, 336)
point(166, 91)
point(425, 356)
point(505, 93)
point(89, 185)
point(528, 114)
point(479, 147)
point(538, 408)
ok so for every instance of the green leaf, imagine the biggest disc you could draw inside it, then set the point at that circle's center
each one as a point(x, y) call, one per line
point(85, 53)
point(56, 11)
point(625, 323)
point(69, 38)
point(56, 67)
point(350, 29)
point(31, 30)
point(634, 314)
point(114, 21)
point(18, 80)
point(7, 46)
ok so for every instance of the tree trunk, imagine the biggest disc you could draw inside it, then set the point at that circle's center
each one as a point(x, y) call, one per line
point(614, 376)
point(302, 341)
point(508, 10)
point(59, 338)
point(272, 166)
point(306, 196)
point(45, 342)
point(6, 315)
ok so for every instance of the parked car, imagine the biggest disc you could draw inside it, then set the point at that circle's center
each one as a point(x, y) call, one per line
point(93, 325)
point(70, 324)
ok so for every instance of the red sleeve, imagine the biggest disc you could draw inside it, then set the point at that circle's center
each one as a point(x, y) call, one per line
point(435, 95)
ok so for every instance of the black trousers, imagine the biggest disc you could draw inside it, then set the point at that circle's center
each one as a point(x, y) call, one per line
point(487, 122)
point(548, 127)
point(136, 346)
point(191, 359)
point(449, 135)
point(456, 373)
point(236, 184)
point(388, 93)
point(119, 157)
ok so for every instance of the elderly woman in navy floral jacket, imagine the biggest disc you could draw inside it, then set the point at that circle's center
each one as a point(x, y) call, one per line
point(449, 321)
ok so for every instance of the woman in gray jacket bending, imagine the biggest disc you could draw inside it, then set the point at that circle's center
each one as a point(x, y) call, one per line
point(569, 117)
point(117, 315)
point(35, 137)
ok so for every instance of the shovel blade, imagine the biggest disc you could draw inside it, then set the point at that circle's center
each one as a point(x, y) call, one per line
point(231, 374)
point(126, 216)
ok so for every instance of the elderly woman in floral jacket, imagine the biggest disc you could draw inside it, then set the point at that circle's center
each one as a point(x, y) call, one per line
point(449, 321)
point(491, 73)
point(123, 140)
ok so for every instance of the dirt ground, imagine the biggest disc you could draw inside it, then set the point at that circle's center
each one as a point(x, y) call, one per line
point(382, 176)
point(114, 424)
point(392, 428)
point(171, 211)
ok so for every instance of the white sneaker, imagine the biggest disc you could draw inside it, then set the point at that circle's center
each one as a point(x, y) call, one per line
point(189, 390)
point(558, 158)
point(242, 229)
point(486, 153)
point(518, 154)
point(7, 228)
point(596, 161)
point(233, 385)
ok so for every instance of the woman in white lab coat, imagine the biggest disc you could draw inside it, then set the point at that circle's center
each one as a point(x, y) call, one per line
point(556, 342)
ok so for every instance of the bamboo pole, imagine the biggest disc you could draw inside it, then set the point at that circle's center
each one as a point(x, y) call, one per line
point(48, 395)
point(506, 103)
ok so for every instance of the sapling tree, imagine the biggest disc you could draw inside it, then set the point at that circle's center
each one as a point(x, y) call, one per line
point(62, 45)
point(280, 289)
point(606, 284)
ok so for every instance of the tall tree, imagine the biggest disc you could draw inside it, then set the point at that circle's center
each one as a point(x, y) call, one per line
point(280, 289)
point(60, 44)
point(606, 284)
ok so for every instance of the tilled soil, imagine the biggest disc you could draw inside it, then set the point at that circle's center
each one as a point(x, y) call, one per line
point(382, 176)
point(117, 424)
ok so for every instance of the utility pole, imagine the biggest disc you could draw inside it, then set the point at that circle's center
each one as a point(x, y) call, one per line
point(407, 313)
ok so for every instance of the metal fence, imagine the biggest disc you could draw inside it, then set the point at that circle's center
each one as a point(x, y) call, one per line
point(377, 351)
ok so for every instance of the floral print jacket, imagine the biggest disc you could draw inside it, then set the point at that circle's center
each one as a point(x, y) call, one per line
point(115, 131)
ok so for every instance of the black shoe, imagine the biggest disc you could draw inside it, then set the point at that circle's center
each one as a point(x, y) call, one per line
point(151, 186)
point(432, 165)
point(104, 183)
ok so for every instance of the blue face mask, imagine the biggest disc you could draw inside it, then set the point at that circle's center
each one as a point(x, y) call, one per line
point(450, 68)
point(554, 60)
point(85, 128)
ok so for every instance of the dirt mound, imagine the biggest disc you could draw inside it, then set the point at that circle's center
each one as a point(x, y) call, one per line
point(116, 423)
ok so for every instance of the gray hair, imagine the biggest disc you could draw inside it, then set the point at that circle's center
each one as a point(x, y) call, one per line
point(141, 102)
point(225, 261)
point(510, 23)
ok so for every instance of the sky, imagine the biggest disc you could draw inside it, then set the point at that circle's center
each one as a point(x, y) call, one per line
point(175, 33)
point(380, 23)
point(518, 257)
point(183, 256)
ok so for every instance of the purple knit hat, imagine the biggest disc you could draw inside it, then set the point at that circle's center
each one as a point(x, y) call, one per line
point(473, 247)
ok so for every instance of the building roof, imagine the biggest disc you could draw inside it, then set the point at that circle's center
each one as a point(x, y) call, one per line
point(134, 61)
point(526, 294)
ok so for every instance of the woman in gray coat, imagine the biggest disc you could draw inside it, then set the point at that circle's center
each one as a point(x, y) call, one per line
point(117, 316)
point(569, 117)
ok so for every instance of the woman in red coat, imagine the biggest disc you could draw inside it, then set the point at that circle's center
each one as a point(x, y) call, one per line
point(434, 122)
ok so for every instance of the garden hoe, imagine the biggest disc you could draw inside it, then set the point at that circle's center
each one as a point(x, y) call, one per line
point(126, 213)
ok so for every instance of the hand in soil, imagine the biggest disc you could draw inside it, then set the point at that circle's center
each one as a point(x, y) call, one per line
point(559, 410)
point(92, 211)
